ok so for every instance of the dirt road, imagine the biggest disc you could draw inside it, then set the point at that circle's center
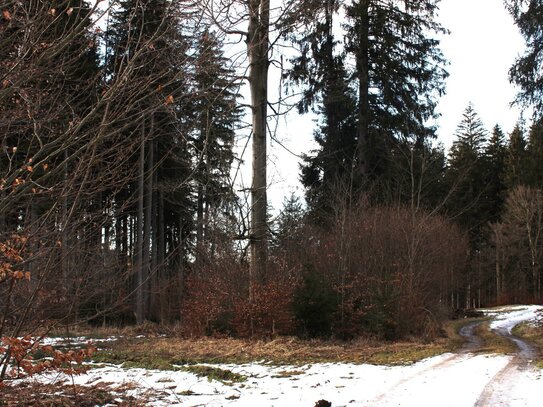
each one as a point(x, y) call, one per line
point(469, 379)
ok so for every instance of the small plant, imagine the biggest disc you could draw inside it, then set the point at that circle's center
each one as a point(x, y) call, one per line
point(17, 360)
point(214, 373)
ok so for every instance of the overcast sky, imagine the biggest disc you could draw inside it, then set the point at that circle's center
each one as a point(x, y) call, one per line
point(482, 46)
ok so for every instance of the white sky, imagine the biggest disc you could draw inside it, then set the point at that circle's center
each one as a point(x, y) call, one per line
point(482, 46)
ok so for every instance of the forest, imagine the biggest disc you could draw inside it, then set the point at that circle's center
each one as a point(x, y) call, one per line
point(122, 125)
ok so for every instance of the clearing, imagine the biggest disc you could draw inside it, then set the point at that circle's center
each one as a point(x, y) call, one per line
point(493, 368)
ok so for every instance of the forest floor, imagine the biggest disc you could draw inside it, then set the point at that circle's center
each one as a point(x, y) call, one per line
point(494, 362)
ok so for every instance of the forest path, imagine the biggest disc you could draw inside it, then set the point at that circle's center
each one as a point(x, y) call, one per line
point(470, 379)
point(499, 391)
point(466, 378)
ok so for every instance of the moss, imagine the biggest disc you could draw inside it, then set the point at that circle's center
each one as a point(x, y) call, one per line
point(214, 373)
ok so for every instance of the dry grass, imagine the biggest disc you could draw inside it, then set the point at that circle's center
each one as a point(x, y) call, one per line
point(162, 353)
point(32, 394)
point(534, 335)
point(492, 342)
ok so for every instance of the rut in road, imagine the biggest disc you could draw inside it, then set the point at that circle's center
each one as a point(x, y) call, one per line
point(498, 389)
point(472, 343)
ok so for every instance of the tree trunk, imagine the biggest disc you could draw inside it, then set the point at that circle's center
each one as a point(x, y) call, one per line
point(257, 43)
point(146, 264)
point(362, 66)
point(161, 253)
point(139, 233)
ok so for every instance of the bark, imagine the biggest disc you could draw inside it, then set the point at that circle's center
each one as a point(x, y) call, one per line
point(139, 233)
point(146, 264)
point(362, 66)
point(257, 43)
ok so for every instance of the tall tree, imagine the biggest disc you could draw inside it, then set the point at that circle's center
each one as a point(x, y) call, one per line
point(527, 71)
point(320, 71)
point(258, 52)
point(495, 159)
point(535, 155)
point(147, 34)
point(216, 113)
point(400, 73)
point(466, 175)
point(516, 158)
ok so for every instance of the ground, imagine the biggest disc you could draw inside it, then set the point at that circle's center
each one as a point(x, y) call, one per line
point(470, 376)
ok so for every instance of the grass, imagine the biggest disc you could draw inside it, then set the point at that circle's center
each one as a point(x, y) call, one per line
point(213, 373)
point(492, 342)
point(170, 352)
point(167, 352)
point(534, 335)
point(34, 394)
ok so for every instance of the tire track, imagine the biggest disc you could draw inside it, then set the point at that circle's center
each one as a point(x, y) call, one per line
point(496, 391)
point(472, 342)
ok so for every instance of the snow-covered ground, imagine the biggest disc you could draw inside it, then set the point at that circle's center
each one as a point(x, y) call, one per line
point(457, 380)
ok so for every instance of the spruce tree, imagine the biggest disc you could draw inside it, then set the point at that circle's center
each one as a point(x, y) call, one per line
point(527, 72)
point(516, 159)
point(495, 158)
point(466, 176)
point(398, 73)
point(535, 155)
point(216, 114)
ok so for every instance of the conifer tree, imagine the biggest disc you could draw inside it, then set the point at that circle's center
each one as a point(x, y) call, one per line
point(516, 158)
point(466, 175)
point(535, 155)
point(216, 114)
point(399, 69)
point(527, 71)
point(495, 159)
point(399, 73)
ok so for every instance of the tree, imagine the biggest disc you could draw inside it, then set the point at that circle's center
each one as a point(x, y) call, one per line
point(321, 73)
point(534, 157)
point(216, 113)
point(527, 70)
point(148, 34)
point(495, 160)
point(523, 230)
point(400, 72)
point(258, 54)
point(466, 176)
point(516, 158)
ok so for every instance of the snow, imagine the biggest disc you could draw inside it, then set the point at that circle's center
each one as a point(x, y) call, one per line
point(506, 318)
point(462, 379)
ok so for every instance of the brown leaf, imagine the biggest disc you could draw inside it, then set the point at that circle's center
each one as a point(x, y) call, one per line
point(169, 100)
point(7, 15)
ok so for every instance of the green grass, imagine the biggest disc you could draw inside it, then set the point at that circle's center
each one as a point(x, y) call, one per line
point(534, 335)
point(492, 342)
point(214, 373)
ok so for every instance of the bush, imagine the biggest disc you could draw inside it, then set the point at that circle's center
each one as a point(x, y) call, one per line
point(314, 305)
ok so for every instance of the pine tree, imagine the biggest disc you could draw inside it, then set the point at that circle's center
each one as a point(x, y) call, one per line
point(147, 50)
point(216, 114)
point(320, 70)
point(516, 159)
point(466, 176)
point(535, 155)
point(495, 158)
point(400, 73)
point(527, 70)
